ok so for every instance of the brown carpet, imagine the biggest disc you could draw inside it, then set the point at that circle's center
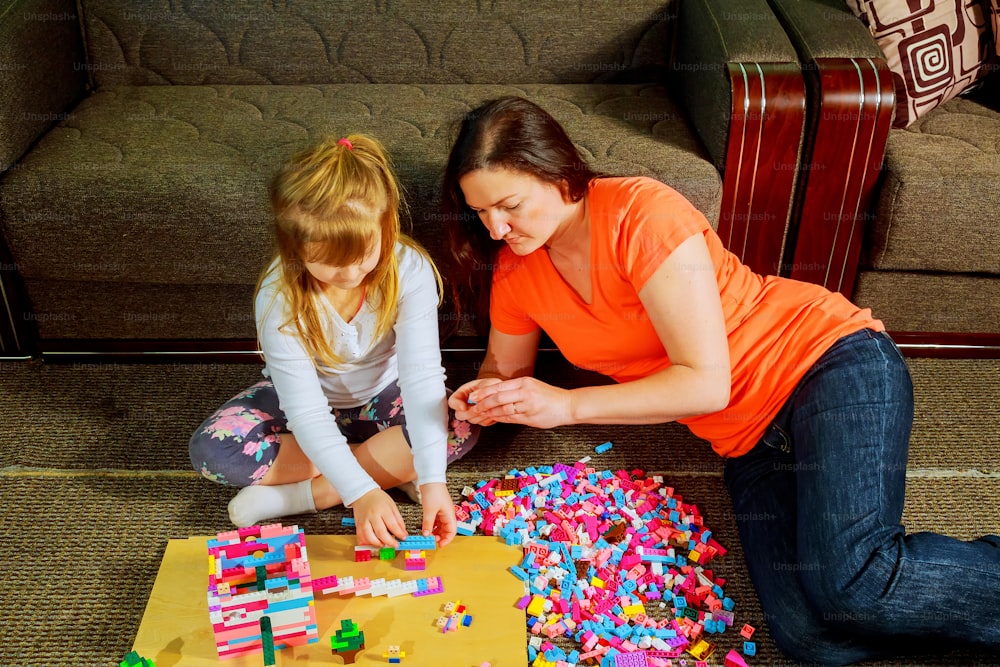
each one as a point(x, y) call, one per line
point(95, 479)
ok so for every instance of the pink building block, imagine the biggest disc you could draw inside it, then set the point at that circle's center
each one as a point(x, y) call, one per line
point(734, 659)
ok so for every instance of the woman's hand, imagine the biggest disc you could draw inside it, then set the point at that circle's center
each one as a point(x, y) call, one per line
point(377, 520)
point(467, 411)
point(439, 512)
point(522, 400)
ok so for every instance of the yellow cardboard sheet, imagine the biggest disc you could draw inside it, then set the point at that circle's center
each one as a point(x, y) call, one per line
point(176, 631)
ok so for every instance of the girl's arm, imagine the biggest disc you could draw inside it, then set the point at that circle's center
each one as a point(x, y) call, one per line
point(422, 388)
point(306, 407)
point(682, 301)
point(421, 375)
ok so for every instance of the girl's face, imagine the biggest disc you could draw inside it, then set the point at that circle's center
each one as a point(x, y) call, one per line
point(515, 206)
point(350, 276)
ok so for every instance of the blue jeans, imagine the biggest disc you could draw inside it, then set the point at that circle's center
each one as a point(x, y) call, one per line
point(819, 502)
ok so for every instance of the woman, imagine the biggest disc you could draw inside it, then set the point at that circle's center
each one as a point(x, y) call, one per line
point(803, 393)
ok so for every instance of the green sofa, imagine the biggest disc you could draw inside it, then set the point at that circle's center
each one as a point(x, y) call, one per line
point(136, 140)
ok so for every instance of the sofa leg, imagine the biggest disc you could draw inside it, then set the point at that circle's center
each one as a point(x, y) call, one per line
point(18, 333)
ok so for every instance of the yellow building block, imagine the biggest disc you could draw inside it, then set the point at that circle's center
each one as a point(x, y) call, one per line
point(537, 606)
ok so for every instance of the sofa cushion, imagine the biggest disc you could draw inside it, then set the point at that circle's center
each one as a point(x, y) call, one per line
point(934, 51)
point(133, 166)
point(321, 42)
point(939, 205)
point(68, 309)
point(918, 301)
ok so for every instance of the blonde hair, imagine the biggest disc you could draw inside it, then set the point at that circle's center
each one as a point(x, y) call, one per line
point(329, 202)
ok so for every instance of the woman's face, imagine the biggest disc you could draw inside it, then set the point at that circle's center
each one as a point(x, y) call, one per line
point(516, 207)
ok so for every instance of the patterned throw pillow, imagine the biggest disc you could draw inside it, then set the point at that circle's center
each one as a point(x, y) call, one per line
point(934, 48)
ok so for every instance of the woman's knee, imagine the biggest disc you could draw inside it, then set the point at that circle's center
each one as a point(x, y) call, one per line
point(803, 650)
point(816, 620)
point(852, 599)
point(808, 643)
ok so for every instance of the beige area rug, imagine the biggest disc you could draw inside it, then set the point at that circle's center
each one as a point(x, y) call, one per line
point(95, 479)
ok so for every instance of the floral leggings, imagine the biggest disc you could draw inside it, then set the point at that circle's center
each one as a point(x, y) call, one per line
point(240, 441)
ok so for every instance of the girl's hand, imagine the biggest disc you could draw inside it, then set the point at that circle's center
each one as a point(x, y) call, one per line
point(377, 520)
point(439, 513)
point(523, 400)
point(468, 411)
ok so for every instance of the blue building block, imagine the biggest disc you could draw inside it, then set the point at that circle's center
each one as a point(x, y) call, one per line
point(417, 543)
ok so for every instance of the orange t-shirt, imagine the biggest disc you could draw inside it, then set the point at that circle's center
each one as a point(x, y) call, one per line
point(777, 327)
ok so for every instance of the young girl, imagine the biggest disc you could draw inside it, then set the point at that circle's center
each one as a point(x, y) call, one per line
point(802, 392)
point(354, 401)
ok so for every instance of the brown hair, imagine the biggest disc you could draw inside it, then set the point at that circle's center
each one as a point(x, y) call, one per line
point(505, 133)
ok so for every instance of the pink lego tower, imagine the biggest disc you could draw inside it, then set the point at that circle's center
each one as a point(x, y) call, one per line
point(255, 572)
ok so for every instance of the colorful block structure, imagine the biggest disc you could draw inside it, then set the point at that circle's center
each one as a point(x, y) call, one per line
point(416, 560)
point(455, 616)
point(133, 659)
point(348, 641)
point(258, 572)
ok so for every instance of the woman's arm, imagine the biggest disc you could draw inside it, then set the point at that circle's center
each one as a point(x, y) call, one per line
point(510, 356)
point(682, 301)
point(507, 356)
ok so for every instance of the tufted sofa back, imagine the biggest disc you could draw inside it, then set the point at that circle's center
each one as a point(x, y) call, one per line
point(138, 210)
point(381, 41)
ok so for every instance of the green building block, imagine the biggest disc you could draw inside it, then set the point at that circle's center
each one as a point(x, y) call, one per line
point(349, 637)
point(133, 659)
point(267, 640)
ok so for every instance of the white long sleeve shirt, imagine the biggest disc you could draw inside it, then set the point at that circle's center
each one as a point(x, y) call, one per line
point(410, 352)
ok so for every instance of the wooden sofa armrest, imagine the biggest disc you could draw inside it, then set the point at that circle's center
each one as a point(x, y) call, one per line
point(851, 101)
point(740, 80)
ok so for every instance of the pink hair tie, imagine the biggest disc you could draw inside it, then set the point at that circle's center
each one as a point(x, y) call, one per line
point(346, 142)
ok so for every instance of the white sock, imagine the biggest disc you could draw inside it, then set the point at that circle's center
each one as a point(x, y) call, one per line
point(256, 503)
point(412, 490)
